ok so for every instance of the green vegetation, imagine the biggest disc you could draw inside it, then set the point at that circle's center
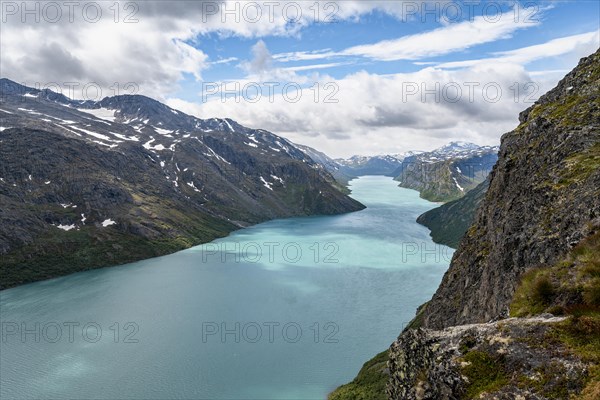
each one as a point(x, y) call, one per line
point(369, 384)
point(571, 109)
point(570, 287)
point(417, 321)
point(486, 373)
point(572, 282)
point(449, 222)
point(581, 335)
point(60, 252)
point(551, 381)
point(580, 167)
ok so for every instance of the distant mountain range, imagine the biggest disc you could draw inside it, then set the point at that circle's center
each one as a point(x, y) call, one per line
point(442, 175)
point(455, 173)
point(86, 184)
point(374, 165)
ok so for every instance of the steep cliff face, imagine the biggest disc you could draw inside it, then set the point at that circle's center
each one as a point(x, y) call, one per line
point(543, 199)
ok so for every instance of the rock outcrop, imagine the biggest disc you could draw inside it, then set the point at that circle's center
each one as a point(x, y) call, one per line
point(447, 173)
point(509, 359)
point(543, 197)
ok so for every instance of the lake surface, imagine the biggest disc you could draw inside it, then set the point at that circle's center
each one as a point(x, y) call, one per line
point(287, 309)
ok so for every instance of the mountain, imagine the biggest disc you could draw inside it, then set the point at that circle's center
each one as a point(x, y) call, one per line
point(372, 165)
point(447, 173)
point(457, 148)
point(346, 169)
point(87, 184)
point(531, 254)
point(449, 222)
point(341, 174)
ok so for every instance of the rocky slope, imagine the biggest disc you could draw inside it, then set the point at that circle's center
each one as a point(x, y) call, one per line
point(510, 359)
point(341, 173)
point(543, 198)
point(90, 184)
point(447, 173)
point(534, 247)
point(449, 222)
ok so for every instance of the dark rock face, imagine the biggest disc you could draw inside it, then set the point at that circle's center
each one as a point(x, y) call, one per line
point(543, 196)
point(90, 184)
point(449, 222)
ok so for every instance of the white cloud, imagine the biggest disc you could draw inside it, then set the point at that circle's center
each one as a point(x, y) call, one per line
point(444, 40)
point(316, 66)
point(371, 114)
point(102, 53)
point(398, 112)
point(225, 60)
point(581, 45)
point(153, 52)
point(262, 60)
point(377, 113)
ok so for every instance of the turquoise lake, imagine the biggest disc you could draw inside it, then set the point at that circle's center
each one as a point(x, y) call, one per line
point(288, 309)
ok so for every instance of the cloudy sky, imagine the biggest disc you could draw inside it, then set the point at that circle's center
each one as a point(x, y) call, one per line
point(347, 77)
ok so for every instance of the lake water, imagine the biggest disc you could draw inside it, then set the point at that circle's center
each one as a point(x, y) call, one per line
point(287, 309)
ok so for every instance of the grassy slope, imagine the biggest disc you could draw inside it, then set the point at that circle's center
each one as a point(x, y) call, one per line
point(570, 287)
point(369, 384)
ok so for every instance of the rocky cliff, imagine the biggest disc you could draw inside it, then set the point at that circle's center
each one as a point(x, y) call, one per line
point(543, 198)
point(447, 173)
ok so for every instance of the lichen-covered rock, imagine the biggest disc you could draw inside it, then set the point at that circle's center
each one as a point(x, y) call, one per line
point(507, 359)
point(421, 369)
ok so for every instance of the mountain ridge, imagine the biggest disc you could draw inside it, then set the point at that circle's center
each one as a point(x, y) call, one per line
point(84, 185)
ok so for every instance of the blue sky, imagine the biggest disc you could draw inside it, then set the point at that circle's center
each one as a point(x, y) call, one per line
point(381, 66)
point(548, 20)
